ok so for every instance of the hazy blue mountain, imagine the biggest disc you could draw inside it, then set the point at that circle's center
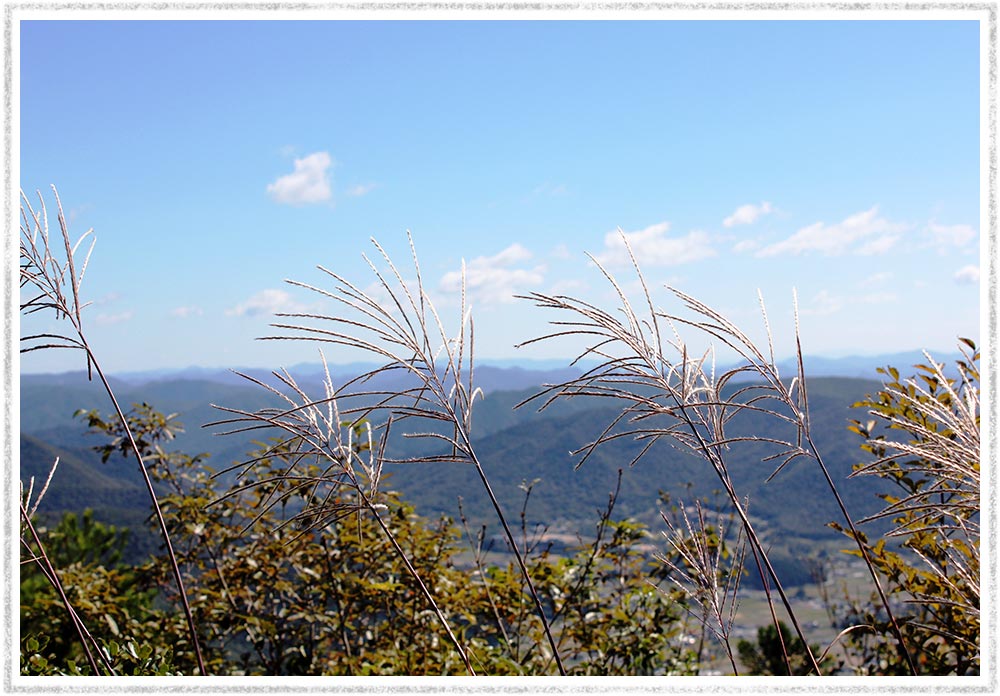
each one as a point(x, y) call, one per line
point(540, 447)
point(491, 375)
point(865, 366)
point(113, 490)
point(515, 446)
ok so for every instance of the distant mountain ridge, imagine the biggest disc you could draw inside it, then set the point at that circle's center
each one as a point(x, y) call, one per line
point(488, 377)
point(515, 446)
point(497, 374)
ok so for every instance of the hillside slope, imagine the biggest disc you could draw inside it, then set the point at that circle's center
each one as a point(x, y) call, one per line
point(515, 446)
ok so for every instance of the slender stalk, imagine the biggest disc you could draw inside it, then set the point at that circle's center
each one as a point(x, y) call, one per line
point(41, 269)
point(694, 399)
point(699, 571)
point(338, 606)
point(774, 617)
point(50, 573)
point(520, 562)
point(423, 588)
point(814, 452)
point(856, 535)
point(315, 433)
point(758, 547)
point(477, 550)
point(399, 331)
point(232, 602)
point(178, 578)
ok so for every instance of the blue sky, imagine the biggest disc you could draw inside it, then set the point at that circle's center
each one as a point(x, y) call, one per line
point(214, 159)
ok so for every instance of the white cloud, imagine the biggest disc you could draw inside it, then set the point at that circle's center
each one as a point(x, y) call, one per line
point(746, 245)
point(360, 190)
point(967, 275)
point(863, 233)
point(822, 304)
point(878, 245)
point(492, 279)
point(947, 237)
point(747, 214)
point(512, 254)
point(185, 312)
point(107, 299)
point(76, 212)
point(652, 247)
point(110, 319)
point(268, 301)
point(876, 279)
point(561, 252)
point(309, 183)
point(825, 303)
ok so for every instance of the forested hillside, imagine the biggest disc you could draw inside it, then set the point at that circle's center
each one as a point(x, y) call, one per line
point(517, 445)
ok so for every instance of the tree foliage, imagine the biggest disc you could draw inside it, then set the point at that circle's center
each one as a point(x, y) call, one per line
point(767, 656)
point(272, 594)
point(924, 437)
point(115, 602)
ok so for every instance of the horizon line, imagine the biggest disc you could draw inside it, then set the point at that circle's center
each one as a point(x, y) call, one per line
point(496, 362)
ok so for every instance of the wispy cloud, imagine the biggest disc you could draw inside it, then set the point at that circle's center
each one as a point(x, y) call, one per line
point(745, 246)
point(878, 245)
point(111, 319)
point(496, 279)
point(822, 303)
point(309, 183)
point(747, 214)
point(378, 293)
point(561, 252)
point(967, 275)
point(863, 233)
point(360, 190)
point(878, 278)
point(654, 248)
point(549, 189)
point(74, 213)
point(186, 312)
point(270, 301)
point(107, 299)
point(946, 238)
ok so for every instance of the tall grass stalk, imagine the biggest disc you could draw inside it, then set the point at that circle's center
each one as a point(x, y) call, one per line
point(397, 323)
point(347, 483)
point(701, 573)
point(32, 543)
point(941, 448)
point(681, 399)
point(56, 278)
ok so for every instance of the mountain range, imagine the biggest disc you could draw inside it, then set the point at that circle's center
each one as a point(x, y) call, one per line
point(525, 372)
point(518, 447)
